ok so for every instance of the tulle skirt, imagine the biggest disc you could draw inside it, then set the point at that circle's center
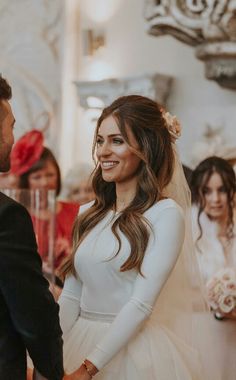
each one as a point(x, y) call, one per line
point(154, 353)
point(217, 343)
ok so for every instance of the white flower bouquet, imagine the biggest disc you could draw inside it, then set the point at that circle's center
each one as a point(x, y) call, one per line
point(221, 293)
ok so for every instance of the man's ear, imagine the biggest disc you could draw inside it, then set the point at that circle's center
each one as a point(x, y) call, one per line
point(3, 111)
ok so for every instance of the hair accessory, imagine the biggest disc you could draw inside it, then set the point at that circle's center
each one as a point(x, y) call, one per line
point(26, 151)
point(173, 125)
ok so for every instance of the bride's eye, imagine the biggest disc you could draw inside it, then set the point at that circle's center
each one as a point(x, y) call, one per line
point(99, 141)
point(118, 141)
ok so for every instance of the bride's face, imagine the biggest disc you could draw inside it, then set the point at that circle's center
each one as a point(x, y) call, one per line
point(216, 198)
point(118, 163)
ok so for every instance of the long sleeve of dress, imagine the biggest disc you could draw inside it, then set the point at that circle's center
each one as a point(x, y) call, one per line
point(69, 302)
point(159, 260)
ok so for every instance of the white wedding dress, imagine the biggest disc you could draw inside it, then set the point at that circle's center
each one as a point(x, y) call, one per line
point(116, 319)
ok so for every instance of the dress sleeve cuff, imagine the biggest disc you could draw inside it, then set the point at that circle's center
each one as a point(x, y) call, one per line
point(98, 357)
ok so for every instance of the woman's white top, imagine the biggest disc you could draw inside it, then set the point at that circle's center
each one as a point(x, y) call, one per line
point(209, 250)
point(100, 287)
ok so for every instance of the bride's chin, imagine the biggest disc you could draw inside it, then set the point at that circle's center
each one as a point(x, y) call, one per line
point(107, 178)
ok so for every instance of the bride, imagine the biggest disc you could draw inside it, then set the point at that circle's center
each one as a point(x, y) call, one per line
point(126, 307)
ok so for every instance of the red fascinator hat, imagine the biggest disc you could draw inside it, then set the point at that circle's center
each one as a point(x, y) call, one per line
point(26, 151)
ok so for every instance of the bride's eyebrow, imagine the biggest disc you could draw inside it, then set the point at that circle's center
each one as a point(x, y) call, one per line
point(111, 135)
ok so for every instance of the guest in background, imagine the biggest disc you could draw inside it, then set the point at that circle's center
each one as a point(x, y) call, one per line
point(37, 168)
point(213, 189)
point(8, 180)
point(213, 218)
point(77, 185)
point(28, 312)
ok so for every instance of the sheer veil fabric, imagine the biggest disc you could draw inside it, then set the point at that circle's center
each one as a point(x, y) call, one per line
point(183, 295)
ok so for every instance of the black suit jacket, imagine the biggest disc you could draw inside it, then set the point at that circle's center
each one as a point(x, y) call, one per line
point(28, 313)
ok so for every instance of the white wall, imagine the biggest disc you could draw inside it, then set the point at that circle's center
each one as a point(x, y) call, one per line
point(31, 59)
point(130, 51)
point(31, 51)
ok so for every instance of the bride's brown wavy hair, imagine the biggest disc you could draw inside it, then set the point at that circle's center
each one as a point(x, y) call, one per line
point(143, 118)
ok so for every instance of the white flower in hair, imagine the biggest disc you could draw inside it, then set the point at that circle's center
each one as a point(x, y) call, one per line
point(173, 125)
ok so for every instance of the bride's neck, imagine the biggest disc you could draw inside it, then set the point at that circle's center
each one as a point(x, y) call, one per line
point(123, 199)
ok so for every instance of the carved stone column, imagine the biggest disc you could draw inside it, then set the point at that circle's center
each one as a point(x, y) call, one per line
point(210, 25)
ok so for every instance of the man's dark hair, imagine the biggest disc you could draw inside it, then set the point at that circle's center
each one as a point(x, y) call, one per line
point(5, 94)
point(5, 89)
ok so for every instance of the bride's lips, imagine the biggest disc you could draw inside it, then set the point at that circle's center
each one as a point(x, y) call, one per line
point(108, 164)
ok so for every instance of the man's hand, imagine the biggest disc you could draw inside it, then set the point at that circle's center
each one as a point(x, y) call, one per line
point(38, 376)
point(79, 374)
point(29, 374)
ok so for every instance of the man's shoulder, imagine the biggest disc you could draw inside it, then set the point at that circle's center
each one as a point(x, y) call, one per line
point(8, 204)
point(6, 199)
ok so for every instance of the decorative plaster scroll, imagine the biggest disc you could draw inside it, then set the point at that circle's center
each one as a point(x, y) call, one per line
point(212, 143)
point(208, 24)
point(155, 86)
point(30, 59)
point(220, 62)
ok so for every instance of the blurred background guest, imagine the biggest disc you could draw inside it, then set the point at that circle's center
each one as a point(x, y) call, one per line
point(77, 185)
point(213, 189)
point(213, 219)
point(8, 180)
point(37, 168)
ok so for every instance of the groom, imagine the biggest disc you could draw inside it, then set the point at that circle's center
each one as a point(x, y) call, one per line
point(28, 313)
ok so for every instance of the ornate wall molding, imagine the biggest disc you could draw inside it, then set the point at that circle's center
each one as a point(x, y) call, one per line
point(210, 25)
point(154, 86)
point(31, 49)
